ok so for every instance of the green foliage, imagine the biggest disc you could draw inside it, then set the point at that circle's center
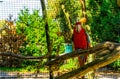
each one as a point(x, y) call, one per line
point(10, 69)
point(69, 64)
point(33, 27)
point(56, 41)
point(59, 9)
point(104, 19)
point(73, 7)
point(116, 64)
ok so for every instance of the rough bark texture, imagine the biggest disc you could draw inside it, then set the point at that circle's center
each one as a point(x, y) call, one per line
point(111, 57)
point(95, 49)
point(25, 57)
point(106, 53)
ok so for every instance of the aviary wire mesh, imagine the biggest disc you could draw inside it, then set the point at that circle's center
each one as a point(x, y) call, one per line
point(11, 42)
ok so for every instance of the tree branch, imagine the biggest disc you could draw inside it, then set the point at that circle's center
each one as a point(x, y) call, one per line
point(115, 55)
point(106, 45)
point(24, 57)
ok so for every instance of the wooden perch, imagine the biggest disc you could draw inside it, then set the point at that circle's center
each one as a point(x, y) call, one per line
point(24, 57)
point(58, 59)
point(106, 45)
point(111, 57)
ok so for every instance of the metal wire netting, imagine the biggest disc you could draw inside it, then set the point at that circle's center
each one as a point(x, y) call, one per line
point(10, 67)
point(9, 12)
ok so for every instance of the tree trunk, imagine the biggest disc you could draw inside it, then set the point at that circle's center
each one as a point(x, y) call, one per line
point(49, 47)
point(118, 3)
point(83, 8)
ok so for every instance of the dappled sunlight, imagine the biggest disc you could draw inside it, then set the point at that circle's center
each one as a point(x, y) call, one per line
point(59, 39)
